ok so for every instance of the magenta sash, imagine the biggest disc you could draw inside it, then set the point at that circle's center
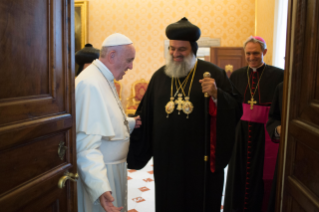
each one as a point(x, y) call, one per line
point(260, 115)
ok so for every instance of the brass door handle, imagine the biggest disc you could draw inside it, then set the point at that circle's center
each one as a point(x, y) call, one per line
point(67, 176)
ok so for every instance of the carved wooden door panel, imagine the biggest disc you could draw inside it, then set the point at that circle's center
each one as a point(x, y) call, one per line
point(37, 112)
point(228, 58)
point(301, 103)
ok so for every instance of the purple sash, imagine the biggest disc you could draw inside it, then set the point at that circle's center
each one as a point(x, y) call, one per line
point(260, 115)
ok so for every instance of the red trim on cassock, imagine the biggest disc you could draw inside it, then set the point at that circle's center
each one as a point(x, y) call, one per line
point(213, 114)
point(247, 181)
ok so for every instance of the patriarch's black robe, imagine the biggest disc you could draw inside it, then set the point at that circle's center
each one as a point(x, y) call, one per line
point(245, 184)
point(177, 143)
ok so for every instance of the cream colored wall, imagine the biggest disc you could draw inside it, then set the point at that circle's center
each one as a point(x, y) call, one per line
point(265, 10)
point(144, 21)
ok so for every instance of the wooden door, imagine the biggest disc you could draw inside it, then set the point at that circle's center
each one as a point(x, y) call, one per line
point(223, 56)
point(300, 144)
point(37, 112)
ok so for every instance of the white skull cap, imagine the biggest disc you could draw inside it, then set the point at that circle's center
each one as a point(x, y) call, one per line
point(116, 39)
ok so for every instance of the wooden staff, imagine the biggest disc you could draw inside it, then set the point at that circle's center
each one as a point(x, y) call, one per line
point(207, 141)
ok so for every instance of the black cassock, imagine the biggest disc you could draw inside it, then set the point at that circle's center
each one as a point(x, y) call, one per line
point(275, 111)
point(274, 121)
point(177, 143)
point(245, 184)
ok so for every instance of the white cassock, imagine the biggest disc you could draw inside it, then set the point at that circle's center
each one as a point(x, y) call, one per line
point(102, 139)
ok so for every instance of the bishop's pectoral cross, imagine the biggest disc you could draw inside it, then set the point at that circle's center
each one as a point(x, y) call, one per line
point(252, 102)
point(179, 102)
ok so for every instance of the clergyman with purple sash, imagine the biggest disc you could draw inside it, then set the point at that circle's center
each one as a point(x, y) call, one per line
point(251, 168)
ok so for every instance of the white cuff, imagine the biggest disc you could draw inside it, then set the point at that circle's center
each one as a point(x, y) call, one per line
point(214, 100)
point(131, 123)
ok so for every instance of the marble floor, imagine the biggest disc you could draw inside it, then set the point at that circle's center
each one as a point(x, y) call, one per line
point(141, 189)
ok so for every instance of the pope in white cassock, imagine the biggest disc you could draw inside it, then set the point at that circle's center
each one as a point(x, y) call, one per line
point(103, 130)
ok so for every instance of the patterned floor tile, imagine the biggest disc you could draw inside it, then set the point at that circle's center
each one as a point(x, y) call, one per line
point(144, 189)
point(138, 199)
point(148, 180)
point(140, 181)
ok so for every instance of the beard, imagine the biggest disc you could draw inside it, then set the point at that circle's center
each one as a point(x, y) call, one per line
point(179, 69)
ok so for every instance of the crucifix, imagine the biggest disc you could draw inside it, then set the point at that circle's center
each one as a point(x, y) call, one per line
point(179, 103)
point(252, 102)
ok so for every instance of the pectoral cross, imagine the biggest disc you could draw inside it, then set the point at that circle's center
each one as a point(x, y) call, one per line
point(252, 102)
point(179, 102)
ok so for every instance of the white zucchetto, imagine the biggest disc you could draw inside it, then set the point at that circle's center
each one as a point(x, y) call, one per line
point(116, 39)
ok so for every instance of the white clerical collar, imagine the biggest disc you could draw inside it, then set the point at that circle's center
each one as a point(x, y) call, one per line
point(104, 70)
point(255, 69)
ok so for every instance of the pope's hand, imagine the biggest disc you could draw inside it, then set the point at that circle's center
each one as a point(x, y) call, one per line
point(209, 86)
point(106, 200)
point(138, 121)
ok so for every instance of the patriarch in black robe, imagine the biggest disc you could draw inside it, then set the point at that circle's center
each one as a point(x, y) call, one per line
point(85, 57)
point(251, 168)
point(173, 130)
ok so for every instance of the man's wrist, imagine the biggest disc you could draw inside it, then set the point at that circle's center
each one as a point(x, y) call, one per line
point(214, 95)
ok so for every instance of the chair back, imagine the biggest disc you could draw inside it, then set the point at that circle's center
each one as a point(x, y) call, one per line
point(138, 90)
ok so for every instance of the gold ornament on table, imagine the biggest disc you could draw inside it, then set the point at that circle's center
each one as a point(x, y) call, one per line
point(229, 69)
point(252, 100)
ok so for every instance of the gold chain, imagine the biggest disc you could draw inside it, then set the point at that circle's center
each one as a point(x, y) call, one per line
point(172, 87)
point(183, 84)
point(257, 82)
point(190, 86)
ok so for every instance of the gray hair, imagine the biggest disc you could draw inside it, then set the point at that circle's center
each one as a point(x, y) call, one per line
point(106, 49)
point(173, 69)
point(254, 40)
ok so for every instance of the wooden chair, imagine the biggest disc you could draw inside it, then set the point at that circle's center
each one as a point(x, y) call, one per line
point(138, 90)
point(118, 86)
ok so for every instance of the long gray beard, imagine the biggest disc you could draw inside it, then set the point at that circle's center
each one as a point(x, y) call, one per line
point(178, 70)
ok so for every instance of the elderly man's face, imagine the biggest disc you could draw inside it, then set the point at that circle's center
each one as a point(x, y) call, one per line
point(254, 55)
point(124, 61)
point(179, 49)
